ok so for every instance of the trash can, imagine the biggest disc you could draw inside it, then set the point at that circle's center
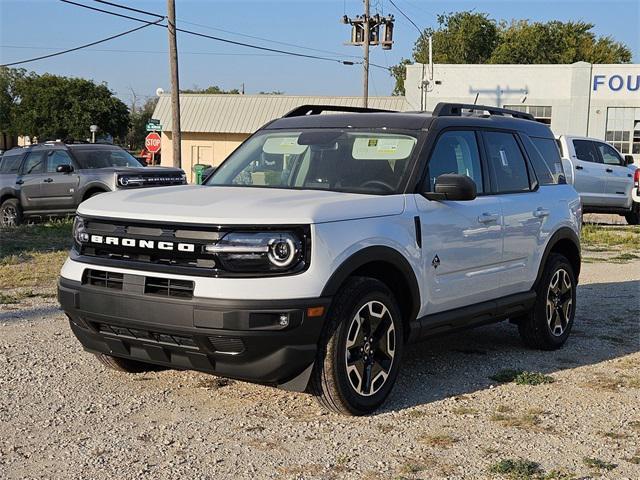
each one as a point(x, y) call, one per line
point(198, 170)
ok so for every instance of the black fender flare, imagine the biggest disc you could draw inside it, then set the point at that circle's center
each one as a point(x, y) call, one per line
point(376, 254)
point(564, 233)
point(96, 184)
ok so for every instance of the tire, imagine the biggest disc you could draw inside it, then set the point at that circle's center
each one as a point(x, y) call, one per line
point(633, 218)
point(125, 364)
point(361, 305)
point(549, 324)
point(11, 213)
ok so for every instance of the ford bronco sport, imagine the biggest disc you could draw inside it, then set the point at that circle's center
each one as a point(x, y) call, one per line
point(327, 242)
point(51, 179)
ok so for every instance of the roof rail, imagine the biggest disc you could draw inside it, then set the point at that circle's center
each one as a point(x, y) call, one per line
point(444, 109)
point(303, 110)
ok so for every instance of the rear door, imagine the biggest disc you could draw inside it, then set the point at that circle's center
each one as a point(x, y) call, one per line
point(461, 240)
point(589, 173)
point(523, 208)
point(31, 180)
point(58, 189)
point(619, 178)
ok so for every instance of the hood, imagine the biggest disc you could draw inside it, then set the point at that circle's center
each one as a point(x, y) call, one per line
point(136, 170)
point(239, 205)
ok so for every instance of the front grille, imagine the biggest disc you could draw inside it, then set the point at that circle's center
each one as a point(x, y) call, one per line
point(168, 287)
point(193, 257)
point(146, 335)
point(149, 180)
point(100, 278)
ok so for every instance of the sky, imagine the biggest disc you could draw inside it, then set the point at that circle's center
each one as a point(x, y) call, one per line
point(137, 64)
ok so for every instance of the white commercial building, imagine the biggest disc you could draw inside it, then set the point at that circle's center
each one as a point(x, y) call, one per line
point(601, 101)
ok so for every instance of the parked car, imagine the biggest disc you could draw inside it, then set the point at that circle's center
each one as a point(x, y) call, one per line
point(325, 243)
point(51, 179)
point(601, 175)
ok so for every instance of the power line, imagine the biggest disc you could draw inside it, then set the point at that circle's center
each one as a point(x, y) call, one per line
point(121, 50)
point(42, 57)
point(131, 9)
point(211, 37)
point(420, 31)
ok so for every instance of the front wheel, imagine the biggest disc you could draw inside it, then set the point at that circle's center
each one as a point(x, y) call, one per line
point(548, 325)
point(360, 350)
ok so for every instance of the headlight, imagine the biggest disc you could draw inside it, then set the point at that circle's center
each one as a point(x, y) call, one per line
point(79, 234)
point(259, 251)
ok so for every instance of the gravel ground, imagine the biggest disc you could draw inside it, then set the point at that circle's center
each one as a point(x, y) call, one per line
point(62, 415)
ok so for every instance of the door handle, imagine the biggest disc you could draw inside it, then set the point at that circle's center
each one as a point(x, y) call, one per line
point(48, 180)
point(488, 218)
point(609, 170)
point(19, 182)
point(579, 167)
point(541, 212)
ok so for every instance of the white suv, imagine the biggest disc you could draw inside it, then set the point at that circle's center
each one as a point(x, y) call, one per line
point(325, 243)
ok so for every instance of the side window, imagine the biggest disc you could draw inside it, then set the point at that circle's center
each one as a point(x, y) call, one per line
point(545, 158)
point(10, 163)
point(456, 152)
point(56, 158)
point(609, 155)
point(507, 164)
point(35, 162)
point(586, 151)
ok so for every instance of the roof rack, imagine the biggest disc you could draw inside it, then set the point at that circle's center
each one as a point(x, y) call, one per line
point(303, 110)
point(444, 109)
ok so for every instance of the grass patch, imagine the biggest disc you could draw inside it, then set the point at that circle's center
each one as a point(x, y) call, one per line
point(440, 440)
point(32, 255)
point(635, 459)
point(412, 467)
point(594, 236)
point(597, 464)
point(615, 435)
point(462, 410)
point(624, 258)
point(612, 383)
point(526, 421)
point(516, 468)
point(521, 378)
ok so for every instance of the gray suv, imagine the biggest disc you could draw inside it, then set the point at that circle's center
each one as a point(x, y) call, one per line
point(52, 179)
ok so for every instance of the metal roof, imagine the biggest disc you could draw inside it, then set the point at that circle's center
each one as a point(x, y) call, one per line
point(227, 113)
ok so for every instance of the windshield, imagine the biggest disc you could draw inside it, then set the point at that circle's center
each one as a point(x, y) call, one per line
point(104, 158)
point(347, 160)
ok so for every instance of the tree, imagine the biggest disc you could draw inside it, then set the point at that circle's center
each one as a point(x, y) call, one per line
point(50, 106)
point(555, 42)
point(213, 89)
point(138, 119)
point(472, 37)
point(9, 98)
point(399, 72)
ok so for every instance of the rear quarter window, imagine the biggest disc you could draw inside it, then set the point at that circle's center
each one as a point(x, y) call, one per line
point(10, 163)
point(545, 159)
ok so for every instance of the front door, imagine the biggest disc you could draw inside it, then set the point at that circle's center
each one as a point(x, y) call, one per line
point(58, 189)
point(619, 178)
point(461, 240)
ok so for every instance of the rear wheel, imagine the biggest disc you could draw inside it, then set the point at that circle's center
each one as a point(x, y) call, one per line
point(548, 325)
point(359, 354)
point(11, 213)
point(633, 218)
point(125, 364)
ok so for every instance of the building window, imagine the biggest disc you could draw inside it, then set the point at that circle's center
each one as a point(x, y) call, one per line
point(541, 113)
point(623, 129)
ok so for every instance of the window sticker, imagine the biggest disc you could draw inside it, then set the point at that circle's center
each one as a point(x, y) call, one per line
point(503, 158)
point(385, 147)
point(283, 146)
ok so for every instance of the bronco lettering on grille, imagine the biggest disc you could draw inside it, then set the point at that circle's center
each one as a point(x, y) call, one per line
point(148, 244)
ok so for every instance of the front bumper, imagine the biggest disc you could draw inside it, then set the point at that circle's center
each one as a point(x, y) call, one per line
point(231, 338)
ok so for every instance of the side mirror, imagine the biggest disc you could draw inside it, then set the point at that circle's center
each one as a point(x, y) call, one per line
point(208, 173)
point(453, 186)
point(628, 159)
point(64, 168)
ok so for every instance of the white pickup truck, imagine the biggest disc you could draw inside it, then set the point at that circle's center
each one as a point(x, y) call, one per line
point(606, 181)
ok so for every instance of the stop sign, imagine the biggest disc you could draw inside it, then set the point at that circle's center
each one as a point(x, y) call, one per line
point(152, 142)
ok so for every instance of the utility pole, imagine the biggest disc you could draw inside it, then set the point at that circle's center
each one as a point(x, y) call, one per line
point(365, 57)
point(175, 84)
point(365, 31)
